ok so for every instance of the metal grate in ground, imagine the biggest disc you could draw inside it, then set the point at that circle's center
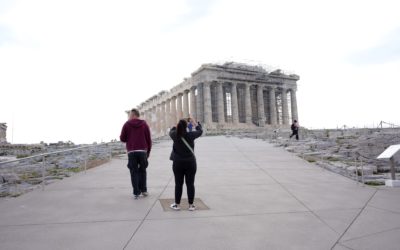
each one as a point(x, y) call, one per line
point(165, 203)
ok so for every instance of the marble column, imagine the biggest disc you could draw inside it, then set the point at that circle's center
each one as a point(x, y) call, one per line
point(200, 103)
point(163, 118)
point(220, 103)
point(285, 108)
point(148, 116)
point(158, 118)
point(234, 103)
point(153, 116)
point(293, 100)
point(179, 113)
point(144, 116)
point(155, 119)
point(272, 107)
point(152, 119)
point(185, 109)
point(168, 117)
point(260, 106)
point(248, 104)
point(207, 104)
point(193, 108)
point(174, 119)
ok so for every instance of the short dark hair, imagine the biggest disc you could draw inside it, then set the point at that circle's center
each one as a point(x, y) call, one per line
point(135, 112)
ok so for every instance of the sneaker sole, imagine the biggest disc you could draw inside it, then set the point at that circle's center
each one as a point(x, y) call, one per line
point(176, 209)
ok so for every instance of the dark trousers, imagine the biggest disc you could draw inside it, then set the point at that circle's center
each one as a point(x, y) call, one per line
point(184, 170)
point(296, 133)
point(137, 164)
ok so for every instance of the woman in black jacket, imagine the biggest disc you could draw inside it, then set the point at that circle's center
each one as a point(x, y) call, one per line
point(184, 161)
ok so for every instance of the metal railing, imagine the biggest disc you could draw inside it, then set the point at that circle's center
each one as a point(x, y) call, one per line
point(322, 160)
point(44, 155)
point(390, 125)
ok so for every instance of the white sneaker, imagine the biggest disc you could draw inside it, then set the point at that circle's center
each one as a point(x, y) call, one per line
point(145, 193)
point(192, 207)
point(175, 206)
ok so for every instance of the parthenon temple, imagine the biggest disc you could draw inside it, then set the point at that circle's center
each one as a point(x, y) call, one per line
point(226, 96)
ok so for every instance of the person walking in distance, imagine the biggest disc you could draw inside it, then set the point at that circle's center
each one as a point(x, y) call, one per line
point(295, 129)
point(136, 134)
point(190, 124)
point(184, 161)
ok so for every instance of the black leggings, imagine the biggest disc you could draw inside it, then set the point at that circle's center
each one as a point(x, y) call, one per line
point(296, 133)
point(184, 170)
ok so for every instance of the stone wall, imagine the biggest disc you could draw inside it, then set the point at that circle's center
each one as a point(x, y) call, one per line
point(3, 133)
point(21, 150)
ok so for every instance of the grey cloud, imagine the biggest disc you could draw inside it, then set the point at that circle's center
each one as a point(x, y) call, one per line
point(387, 51)
point(5, 35)
point(197, 10)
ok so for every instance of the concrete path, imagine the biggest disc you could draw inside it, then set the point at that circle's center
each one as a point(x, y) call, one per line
point(260, 197)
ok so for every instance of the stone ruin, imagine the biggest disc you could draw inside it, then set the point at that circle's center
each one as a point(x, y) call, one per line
point(349, 152)
point(226, 96)
point(27, 174)
point(3, 132)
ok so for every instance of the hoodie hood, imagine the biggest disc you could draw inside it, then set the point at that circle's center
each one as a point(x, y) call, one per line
point(136, 123)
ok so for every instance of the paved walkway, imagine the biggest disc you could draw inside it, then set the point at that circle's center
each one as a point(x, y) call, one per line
point(260, 197)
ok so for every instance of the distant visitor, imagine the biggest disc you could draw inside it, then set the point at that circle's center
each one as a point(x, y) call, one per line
point(136, 134)
point(295, 129)
point(184, 160)
point(190, 124)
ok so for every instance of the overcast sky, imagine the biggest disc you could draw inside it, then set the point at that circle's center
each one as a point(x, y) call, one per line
point(69, 69)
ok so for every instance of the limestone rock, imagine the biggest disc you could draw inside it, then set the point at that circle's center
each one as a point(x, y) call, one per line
point(10, 178)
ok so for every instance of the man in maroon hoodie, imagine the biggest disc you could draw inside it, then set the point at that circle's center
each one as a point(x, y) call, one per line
point(136, 134)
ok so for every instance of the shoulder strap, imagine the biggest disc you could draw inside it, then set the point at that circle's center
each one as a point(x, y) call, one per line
point(188, 146)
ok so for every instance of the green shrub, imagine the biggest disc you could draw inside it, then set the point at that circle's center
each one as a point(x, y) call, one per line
point(331, 158)
point(22, 156)
point(29, 175)
point(75, 170)
point(374, 183)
